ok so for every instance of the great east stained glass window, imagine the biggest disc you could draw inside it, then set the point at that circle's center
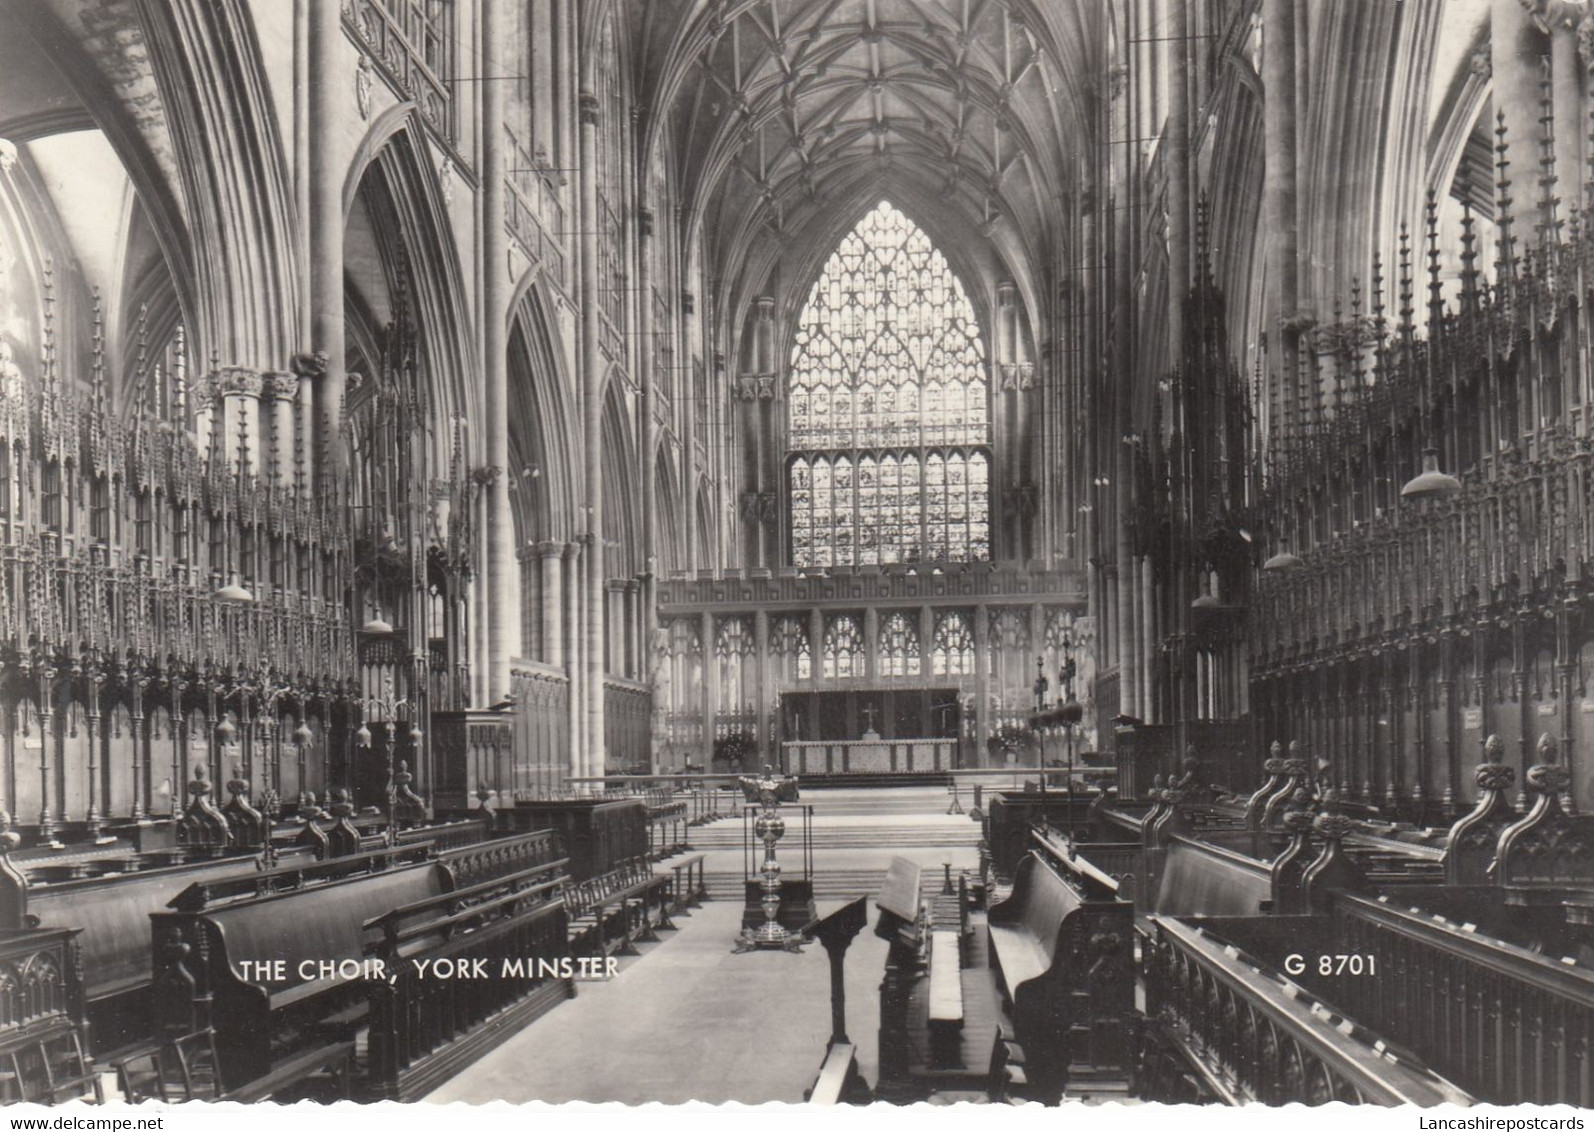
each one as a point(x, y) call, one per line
point(889, 426)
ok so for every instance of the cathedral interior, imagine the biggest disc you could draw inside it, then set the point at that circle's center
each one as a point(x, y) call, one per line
point(1128, 461)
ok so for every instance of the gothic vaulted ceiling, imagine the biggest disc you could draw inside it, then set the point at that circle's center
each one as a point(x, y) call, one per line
point(787, 118)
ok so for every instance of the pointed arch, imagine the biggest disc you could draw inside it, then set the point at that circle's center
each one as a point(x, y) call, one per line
point(671, 531)
point(622, 516)
point(392, 189)
point(542, 423)
point(888, 375)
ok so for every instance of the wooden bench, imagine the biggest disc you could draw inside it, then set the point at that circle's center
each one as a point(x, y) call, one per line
point(688, 886)
point(111, 914)
point(617, 909)
point(423, 1030)
point(285, 1022)
point(1062, 946)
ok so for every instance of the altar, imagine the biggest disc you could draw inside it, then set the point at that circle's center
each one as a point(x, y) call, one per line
point(868, 755)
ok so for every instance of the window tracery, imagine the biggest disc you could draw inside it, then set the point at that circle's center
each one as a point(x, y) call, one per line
point(954, 645)
point(889, 426)
point(789, 641)
point(899, 646)
point(843, 647)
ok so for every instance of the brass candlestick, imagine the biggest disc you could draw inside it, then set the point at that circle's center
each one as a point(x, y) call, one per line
point(770, 827)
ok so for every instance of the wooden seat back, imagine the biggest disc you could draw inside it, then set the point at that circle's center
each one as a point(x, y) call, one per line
point(112, 915)
point(200, 952)
point(1201, 879)
point(1040, 902)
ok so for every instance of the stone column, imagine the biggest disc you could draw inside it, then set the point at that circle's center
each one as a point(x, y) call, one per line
point(1148, 641)
point(503, 623)
point(1178, 157)
point(1571, 122)
point(279, 390)
point(871, 643)
point(1516, 48)
point(571, 654)
point(550, 557)
point(647, 356)
point(982, 682)
point(1279, 204)
point(593, 378)
point(328, 105)
point(926, 641)
point(711, 687)
point(764, 688)
point(816, 644)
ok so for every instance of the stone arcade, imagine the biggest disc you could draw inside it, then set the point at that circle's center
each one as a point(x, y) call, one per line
point(1129, 459)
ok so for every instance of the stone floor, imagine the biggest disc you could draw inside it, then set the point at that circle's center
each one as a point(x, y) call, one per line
point(688, 1020)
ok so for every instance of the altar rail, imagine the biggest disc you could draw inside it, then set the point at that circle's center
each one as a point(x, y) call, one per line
point(1259, 1041)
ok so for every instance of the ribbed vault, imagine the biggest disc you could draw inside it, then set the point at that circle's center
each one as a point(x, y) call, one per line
point(784, 110)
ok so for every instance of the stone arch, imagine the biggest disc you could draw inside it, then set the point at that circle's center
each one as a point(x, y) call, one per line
point(419, 254)
point(543, 466)
point(671, 548)
point(622, 502)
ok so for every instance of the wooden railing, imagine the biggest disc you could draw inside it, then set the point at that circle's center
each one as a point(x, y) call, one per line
point(1258, 1039)
point(1511, 1026)
point(424, 1028)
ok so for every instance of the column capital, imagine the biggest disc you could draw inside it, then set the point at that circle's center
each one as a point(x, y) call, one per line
point(277, 386)
point(587, 108)
point(548, 549)
point(236, 381)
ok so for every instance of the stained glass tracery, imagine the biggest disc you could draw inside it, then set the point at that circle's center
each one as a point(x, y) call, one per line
point(954, 645)
point(889, 429)
point(843, 646)
point(899, 646)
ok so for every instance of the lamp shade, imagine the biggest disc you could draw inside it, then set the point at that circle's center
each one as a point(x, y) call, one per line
point(362, 737)
point(1283, 560)
point(377, 627)
point(233, 592)
point(1430, 483)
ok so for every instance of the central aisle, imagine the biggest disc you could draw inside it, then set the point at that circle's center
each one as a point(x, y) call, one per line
point(687, 1020)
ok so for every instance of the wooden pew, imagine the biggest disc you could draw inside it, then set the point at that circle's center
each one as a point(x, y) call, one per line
point(423, 1030)
point(611, 912)
point(275, 1026)
point(1062, 947)
point(111, 914)
point(688, 888)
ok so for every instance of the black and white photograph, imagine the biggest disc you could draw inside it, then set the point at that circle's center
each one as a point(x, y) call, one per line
point(1026, 553)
